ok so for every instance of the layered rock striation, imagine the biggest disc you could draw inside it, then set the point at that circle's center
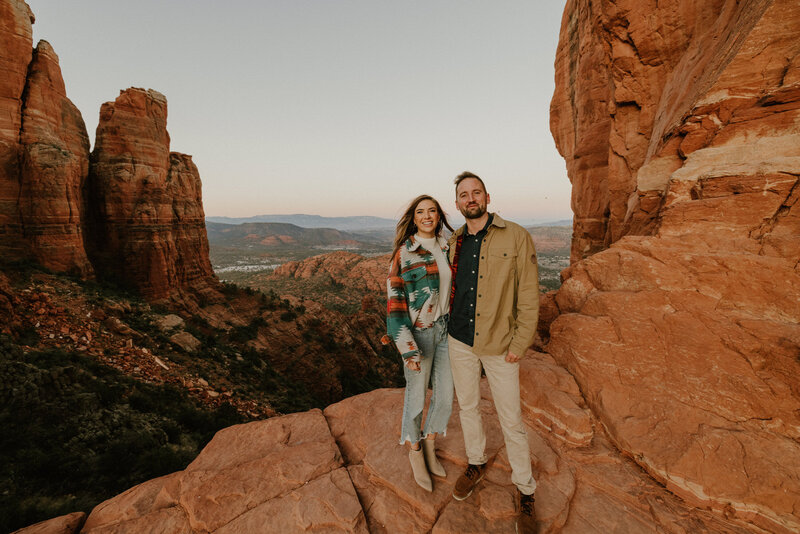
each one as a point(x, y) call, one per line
point(44, 152)
point(680, 125)
point(54, 167)
point(148, 222)
point(16, 39)
point(137, 218)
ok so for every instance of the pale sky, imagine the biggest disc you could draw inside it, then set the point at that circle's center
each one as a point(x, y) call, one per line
point(332, 108)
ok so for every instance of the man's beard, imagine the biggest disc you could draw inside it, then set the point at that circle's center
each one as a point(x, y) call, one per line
point(474, 212)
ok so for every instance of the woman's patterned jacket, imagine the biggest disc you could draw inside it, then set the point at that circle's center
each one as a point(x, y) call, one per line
point(413, 292)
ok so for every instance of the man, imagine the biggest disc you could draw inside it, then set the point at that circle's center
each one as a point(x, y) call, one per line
point(493, 317)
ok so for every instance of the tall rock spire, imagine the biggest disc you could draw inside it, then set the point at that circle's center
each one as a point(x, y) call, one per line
point(55, 164)
point(147, 215)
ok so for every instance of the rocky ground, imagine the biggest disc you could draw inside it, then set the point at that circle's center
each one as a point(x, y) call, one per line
point(125, 334)
point(341, 470)
point(249, 357)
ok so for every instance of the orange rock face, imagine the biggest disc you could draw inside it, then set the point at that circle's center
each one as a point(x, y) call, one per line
point(16, 38)
point(44, 152)
point(55, 164)
point(148, 221)
point(66, 524)
point(283, 472)
point(680, 124)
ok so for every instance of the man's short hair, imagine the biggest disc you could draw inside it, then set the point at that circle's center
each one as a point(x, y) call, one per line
point(466, 174)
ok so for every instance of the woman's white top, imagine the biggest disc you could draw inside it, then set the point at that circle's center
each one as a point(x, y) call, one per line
point(434, 246)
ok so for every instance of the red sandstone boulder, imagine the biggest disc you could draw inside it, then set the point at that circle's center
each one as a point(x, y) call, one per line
point(149, 228)
point(699, 384)
point(551, 398)
point(685, 343)
point(285, 472)
point(66, 524)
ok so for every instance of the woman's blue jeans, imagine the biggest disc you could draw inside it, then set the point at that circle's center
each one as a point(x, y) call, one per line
point(434, 370)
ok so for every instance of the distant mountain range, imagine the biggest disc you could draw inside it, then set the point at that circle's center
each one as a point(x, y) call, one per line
point(277, 234)
point(348, 224)
point(539, 222)
point(360, 223)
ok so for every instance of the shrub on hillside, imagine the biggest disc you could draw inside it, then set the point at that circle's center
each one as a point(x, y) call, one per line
point(76, 432)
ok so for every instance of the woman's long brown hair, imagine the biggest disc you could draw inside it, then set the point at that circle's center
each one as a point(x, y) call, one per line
point(406, 227)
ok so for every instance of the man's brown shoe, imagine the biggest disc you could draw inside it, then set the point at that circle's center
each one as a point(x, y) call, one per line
point(526, 520)
point(466, 483)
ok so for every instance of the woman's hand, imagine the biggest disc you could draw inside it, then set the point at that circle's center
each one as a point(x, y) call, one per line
point(412, 365)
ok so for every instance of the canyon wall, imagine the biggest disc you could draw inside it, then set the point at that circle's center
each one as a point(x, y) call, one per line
point(134, 217)
point(680, 125)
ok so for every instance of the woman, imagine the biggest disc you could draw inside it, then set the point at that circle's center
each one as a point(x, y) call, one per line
point(419, 301)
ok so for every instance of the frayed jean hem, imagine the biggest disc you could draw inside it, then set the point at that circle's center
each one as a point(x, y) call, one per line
point(422, 436)
point(434, 371)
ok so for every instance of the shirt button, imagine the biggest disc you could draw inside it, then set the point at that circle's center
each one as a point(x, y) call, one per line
point(472, 289)
point(473, 272)
point(470, 320)
point(477, 334)
point(481, 276)
point(479, 294)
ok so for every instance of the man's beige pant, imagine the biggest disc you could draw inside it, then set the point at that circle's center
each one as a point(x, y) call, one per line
point(504, 382)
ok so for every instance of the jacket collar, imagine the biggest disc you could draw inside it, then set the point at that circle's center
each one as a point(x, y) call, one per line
point(496, 221)
point(413, 245)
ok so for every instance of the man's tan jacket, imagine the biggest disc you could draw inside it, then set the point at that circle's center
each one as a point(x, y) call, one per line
point(507, 300)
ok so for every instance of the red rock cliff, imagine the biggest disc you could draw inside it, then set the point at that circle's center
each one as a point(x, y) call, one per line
point(149, 227)
point(680, 123)
point(54, 167)
point(16, 39)
point(44, 152)
point(139, 219)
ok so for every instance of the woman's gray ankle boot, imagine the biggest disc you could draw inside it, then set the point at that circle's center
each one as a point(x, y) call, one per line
point(434, 467)
point(420, 470)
